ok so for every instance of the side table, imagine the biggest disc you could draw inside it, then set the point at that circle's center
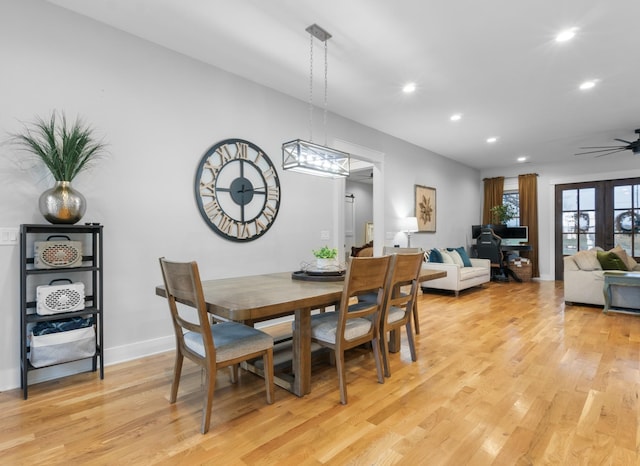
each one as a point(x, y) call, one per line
point(618, 279)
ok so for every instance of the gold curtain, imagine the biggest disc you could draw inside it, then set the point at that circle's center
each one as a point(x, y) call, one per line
point(493, 189)
point(528, 189)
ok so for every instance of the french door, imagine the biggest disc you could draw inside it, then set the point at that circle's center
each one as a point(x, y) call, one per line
point(597, 213)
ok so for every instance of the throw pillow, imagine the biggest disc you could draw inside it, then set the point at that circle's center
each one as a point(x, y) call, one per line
point(587, 260)
point(435, 256)
point(610, 261)
point(629, 261)
point(464, 256)
point(455, 257)
point(446, 258)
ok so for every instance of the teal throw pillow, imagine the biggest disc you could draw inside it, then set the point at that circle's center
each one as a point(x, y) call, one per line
point(435, 256)
point(610, 261)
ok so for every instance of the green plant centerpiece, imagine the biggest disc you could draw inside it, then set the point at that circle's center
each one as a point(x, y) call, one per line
point(65, 149)
point(501, 214)
point(326, 258)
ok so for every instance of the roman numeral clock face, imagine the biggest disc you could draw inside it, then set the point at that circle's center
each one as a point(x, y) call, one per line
point(237, 190)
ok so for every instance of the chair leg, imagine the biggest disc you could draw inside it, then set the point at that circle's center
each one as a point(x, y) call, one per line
point(267, 362)
point(415, 318)
point(384, 349)
point(376, 355)
point(342, 379)
point(177, 371)
point(209, 388)
point(410, 339)
point(234, 372)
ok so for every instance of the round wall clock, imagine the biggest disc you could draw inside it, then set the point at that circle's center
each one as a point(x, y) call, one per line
point(237, 190)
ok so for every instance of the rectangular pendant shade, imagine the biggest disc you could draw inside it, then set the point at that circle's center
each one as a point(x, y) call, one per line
point(306, 157)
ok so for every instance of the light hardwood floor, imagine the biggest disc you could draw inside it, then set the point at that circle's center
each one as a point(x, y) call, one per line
point(506, 375)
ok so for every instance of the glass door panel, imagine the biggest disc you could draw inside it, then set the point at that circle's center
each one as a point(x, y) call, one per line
point(578, 220)
point(626, 218)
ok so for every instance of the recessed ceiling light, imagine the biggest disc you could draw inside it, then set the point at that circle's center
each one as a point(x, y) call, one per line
point(522, 158)
point(566, 35)
point(409, 88)
point(587, 85)
point(456, 117)
point(492, 139)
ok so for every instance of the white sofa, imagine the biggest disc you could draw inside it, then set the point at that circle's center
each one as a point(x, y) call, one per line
point(585, 285)
point(459, 278)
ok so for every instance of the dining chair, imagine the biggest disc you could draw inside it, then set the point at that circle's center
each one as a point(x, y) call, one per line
point(211, 346)
point(354, 324)
point(394, 250)
point(400, 302)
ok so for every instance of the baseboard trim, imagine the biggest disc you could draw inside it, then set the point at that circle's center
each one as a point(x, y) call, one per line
point(112, 356)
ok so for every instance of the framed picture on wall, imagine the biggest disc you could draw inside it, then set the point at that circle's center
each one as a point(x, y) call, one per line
point(426, 208)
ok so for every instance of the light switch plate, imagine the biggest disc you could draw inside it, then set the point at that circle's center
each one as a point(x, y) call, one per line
point(324, 234)
point(9, 236)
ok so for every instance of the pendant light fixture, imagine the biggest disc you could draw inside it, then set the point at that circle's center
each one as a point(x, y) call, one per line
point(306, 156)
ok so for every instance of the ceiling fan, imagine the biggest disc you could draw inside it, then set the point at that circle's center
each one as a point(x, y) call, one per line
point(633, 146)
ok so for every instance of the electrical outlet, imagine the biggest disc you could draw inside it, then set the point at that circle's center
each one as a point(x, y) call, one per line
point(324, 234)
point(9, 236)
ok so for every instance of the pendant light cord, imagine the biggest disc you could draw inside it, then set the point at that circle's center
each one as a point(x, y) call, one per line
point(326, 81)
point(311, 88)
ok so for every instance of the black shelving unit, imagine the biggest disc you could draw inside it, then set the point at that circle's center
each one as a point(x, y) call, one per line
point(90, 269)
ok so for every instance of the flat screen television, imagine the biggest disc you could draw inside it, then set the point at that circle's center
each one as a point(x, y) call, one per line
point(509, 235)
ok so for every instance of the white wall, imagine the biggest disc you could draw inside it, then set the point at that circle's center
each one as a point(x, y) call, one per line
point(621, 165)
point(159, 112)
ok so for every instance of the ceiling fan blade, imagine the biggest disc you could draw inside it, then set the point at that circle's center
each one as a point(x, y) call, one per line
point(608, 149)
point(603, 147)
point(622, 140)
point(612, 152)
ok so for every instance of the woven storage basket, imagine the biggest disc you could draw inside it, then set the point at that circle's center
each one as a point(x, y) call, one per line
point(523, 271)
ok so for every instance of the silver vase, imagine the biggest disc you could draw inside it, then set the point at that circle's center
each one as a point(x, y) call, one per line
point(62, 203)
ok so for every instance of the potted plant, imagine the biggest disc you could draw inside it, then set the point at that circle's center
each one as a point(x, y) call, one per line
point(326, 258)
point(66, 150)
point(501, 214)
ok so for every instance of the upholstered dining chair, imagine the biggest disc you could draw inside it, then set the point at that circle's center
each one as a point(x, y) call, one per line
point(353, 324)
point(393, 250)
point(214, 346)
point(400, 302)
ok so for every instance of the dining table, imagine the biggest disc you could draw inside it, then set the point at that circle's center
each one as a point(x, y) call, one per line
point(257, 298)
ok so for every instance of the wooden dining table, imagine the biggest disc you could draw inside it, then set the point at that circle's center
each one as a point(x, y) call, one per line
point(256, 298)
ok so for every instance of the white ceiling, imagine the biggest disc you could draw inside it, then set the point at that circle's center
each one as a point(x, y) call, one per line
point(494, 61)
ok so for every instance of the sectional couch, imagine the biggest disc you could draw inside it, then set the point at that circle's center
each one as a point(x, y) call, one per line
point(584, 278)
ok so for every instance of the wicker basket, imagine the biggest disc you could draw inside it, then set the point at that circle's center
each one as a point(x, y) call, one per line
point(521, 269)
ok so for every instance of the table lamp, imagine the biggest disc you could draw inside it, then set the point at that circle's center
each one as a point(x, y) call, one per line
point(410, 226)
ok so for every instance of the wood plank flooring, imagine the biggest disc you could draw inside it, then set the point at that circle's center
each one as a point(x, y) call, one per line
point(506, 375)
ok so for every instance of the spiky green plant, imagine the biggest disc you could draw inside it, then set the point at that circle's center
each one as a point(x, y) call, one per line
point(64, 149)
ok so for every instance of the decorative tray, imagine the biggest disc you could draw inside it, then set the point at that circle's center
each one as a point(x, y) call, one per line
point(319, 276)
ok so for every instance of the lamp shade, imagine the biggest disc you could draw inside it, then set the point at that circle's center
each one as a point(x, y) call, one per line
point(411, 224)
point(307, 157)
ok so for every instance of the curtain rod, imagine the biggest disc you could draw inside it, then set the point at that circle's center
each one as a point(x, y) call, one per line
point(523, 174)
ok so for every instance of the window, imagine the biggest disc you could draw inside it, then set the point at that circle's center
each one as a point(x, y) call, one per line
point(512, 198)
